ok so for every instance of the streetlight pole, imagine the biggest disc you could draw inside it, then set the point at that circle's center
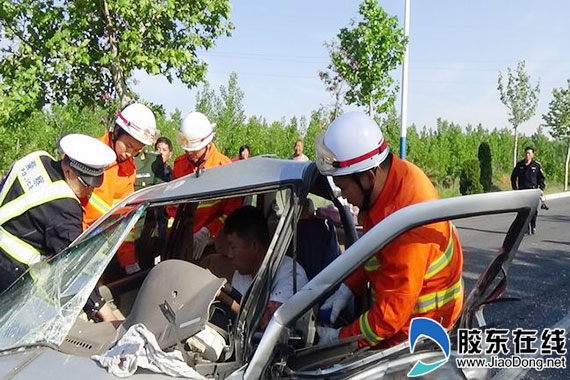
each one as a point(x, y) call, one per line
point(404, 110)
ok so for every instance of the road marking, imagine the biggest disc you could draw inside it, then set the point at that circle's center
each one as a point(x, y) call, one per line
point(517, 373)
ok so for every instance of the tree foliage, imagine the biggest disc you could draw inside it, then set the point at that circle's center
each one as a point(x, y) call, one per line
point(439, 151)
point(334, 82)
point(519, 96)
point(225, 108)
point(53, 51)
point(365, 54)
point(558, 120)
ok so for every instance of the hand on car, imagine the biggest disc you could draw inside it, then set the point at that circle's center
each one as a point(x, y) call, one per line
point(201, 239)
point(338, 302)
point(327, 334)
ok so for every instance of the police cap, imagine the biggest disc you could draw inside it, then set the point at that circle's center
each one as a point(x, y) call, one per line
point(88, 156)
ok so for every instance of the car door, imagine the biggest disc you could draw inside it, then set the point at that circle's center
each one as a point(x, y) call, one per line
point(268, 358)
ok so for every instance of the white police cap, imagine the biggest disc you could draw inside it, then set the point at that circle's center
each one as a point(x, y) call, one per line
point(88, 156)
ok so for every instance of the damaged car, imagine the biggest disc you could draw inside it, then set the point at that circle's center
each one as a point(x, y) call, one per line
point(43, 331)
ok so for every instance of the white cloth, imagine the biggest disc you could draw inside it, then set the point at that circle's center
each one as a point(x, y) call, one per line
point(282, 288)
point(139, 348)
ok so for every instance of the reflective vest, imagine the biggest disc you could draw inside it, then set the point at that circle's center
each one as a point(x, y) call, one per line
point(416, 274)
point(38, 188)
point(118, 182)
point(211, 215)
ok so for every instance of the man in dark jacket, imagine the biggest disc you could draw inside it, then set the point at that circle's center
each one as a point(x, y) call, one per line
point(528, 174)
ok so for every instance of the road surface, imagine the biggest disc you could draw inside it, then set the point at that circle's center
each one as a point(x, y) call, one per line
point(539, 276)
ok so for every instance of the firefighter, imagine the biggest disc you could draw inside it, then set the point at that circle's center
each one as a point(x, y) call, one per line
point(40, 211)
point(418, 274)
point(528, 174)
point(134, 128)
point(195, 136)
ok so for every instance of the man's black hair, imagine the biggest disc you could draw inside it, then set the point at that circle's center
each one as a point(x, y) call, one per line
point(529, 148)
point(248, 223)
point(164, 140)
point(244, 147)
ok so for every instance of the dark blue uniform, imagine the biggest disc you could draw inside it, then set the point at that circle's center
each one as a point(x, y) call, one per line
point(528, 176)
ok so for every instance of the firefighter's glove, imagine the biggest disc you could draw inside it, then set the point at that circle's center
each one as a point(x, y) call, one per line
point(338, 302)
point(201, 239)
point(327, 334)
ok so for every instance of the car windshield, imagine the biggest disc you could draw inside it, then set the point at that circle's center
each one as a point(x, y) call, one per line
point(42, 305)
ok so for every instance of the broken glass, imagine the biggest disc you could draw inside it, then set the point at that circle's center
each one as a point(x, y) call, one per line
point(42, 305)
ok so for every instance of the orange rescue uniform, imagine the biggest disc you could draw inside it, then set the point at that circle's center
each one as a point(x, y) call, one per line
point(118, 182)
point(211, 215)
point(417, 275)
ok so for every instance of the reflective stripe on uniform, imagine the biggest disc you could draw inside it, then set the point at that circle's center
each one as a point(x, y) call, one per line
point(18, 249)
point(208, 204)
point(16, 207)
point(24, 163)
point(367, 331)
point(99, 204)
point(372, 264)
point(223, 218)
point(444, 259)
point(132, 236)
point(438, 299)
point(38, 189)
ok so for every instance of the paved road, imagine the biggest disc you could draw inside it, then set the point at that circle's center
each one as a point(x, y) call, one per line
point(539, 276)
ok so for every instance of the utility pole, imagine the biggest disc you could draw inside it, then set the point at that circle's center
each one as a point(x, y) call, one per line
point(404, 110)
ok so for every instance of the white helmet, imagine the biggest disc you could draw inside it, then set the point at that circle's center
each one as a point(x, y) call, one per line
point(195, 132)
point(138, 121)
point(353, 143)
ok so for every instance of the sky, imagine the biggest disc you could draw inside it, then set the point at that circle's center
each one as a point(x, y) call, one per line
point(457, 49)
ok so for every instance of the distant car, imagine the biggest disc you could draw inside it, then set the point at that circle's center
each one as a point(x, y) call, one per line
point(42, 335)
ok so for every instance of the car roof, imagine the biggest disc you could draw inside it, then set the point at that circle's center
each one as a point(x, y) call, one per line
point(253, 173)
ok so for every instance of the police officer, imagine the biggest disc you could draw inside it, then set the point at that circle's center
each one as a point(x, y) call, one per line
point(40, 211)
point(528, 174)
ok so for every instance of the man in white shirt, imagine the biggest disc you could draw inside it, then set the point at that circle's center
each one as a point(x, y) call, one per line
point(298, 152)
point(248, 240)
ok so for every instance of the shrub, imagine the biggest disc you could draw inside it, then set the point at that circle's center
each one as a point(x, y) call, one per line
point(485, 164)
point(469, 178)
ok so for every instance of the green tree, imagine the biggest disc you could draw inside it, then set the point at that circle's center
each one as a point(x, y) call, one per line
point(41, 130)
point(558, 120)
point(53, 50)
point(365, 54)
point(317, 124)
point(334, 82)
point(207, 102)
point(519, 96)
point(230, 117)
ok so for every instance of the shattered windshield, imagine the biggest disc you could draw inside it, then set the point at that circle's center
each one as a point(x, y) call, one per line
point(42, 305)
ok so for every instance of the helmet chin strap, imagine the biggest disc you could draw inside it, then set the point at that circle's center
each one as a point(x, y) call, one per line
point(366, 194)
point(202, 158)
